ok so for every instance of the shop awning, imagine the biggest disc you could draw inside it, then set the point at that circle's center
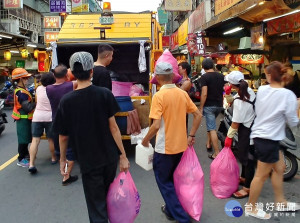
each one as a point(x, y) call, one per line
point(250, 11)
point(10, 40)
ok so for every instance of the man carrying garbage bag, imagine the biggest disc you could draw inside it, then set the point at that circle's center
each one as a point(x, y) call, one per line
point(168, 111)
point(90, 124)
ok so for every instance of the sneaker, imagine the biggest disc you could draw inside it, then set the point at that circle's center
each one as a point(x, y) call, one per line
point(70, 180)
point(23, 163)
point(32, 170)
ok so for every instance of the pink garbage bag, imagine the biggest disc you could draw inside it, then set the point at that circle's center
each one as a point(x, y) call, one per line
point(123, 200)
point(168, 57)
point(224, 174)
point(189, 183)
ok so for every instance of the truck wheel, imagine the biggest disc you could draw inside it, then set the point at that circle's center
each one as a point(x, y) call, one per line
point(291, 166)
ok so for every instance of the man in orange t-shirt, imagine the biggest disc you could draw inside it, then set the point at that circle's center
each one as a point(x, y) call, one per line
point(168, 111)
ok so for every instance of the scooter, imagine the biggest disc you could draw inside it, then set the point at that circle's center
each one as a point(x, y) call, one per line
point(7, 93)
point(2, 116)
point(286, 145)
point(195, 92)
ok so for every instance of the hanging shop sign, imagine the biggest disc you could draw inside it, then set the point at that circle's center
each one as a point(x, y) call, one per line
point(197, 18)
point(201, 43)
point(290, 23)
point(292, 3)
point(174, 41)
point(257, 38)
point(222, 5)
point(13, 4)
point(51, 36)
point(178, 5)
point(162, 16)
point(166, 41)
point(196, 44)
point(80, 5)
point(247, 58)
point(183, 33)
point(58, 5)
point(52, 22)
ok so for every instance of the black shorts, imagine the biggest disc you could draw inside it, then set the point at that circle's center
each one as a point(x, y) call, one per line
point(266, 150)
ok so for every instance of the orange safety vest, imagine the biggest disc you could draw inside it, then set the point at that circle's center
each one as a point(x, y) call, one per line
point(16, 114)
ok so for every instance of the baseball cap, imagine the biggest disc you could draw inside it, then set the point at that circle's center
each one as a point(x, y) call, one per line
point(85, 58)
point(163, 68)
point(234, 77)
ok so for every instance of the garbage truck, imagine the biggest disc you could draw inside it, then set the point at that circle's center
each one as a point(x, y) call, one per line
point(129, 34)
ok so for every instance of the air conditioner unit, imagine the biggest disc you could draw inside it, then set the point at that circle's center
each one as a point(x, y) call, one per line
point(11, 25)
point(34, 37)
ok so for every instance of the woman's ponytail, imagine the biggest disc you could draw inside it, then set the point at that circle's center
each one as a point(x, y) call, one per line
point(243, 90)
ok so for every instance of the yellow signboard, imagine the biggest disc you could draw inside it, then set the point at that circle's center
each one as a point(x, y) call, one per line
point(183, 33)
point(222, 5)
point(125, 26)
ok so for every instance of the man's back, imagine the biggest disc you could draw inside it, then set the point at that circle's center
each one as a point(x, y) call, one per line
point(87, 125)
point(215, 83)
point(171, 105)
point(101, 77)
point(56, 92)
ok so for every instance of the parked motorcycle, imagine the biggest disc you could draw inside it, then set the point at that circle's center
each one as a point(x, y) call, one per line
point(7, 93)
point(195, 92)
point(2, 116)
point(286, 145)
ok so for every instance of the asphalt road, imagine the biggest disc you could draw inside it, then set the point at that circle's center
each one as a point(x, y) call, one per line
point(41, 198)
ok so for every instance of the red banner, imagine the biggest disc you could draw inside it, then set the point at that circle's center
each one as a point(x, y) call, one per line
point(290, 23)
point(13, 4)
point(247, 58)
point(166, 41)
point(174, 41)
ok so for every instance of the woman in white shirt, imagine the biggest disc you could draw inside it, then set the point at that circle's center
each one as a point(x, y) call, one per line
point(275, 107)
point(42, 120)
point(242, 120)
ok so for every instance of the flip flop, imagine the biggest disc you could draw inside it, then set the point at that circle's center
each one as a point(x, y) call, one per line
point(240, 195)
point(260, 214)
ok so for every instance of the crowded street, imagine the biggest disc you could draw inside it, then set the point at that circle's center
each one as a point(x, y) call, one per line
point(144, 111)
point(41, 198)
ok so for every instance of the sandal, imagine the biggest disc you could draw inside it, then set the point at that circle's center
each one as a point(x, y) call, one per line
point(244, 192)
point(260, 214)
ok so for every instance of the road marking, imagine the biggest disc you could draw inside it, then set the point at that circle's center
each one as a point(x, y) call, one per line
point(8, 162)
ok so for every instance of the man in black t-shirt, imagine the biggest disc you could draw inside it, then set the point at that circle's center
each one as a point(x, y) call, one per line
point(211, 102)
point(86, 116)
point(101, 75)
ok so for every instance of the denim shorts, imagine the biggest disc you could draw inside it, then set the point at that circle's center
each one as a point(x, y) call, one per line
point(211, 114)
point(39, 127)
